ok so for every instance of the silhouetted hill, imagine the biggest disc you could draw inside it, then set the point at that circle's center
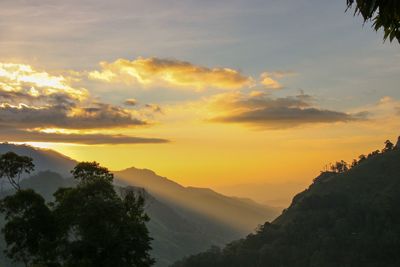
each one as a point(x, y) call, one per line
point(343, 219)
point(239, 214)
point(44, 159)
point(178, 229)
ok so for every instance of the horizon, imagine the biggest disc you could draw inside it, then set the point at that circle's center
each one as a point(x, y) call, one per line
point(274, 195)
point(245, 97)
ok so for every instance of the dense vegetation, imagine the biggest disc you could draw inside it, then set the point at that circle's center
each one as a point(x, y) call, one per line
point(86, 225)
point(349, 216)
point(180, 223)
point(384, 14)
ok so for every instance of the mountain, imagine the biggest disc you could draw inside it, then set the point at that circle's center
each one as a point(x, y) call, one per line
point(200, 200)
point(44, 159)
point(348, 218)
point(178, 229)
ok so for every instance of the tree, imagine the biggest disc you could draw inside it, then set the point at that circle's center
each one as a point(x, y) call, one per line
point(354, 163)
point(388, 146)
point(85, 172)
point(384, 14)
point(89, 225)
point(12, 166)
point(361, 158)
point(99, 227)
point(29, 231)
point(340, 167)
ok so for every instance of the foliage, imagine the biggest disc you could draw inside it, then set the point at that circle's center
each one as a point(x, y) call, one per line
point(30, 231)
point(85, 172)
point(12, 166)
point(88, 225)
point(384, 14)
point(342, 166)
point(351, 218)
point(388, 146)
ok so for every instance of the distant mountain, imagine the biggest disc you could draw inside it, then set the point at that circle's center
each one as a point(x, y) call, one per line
point(351, 218)
point(44, 159)
point(183, 221)
point(240, 214)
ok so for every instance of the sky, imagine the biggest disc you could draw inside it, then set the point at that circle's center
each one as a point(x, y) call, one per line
point(249, 97)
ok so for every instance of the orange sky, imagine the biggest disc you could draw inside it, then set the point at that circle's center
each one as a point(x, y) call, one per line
point(237, 96)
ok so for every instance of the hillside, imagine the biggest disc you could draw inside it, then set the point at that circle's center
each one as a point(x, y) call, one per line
point(200, 200)
point(343, 219)
point(44, 159)
point(178, 229)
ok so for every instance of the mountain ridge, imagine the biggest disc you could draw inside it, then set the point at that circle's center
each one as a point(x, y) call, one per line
point(346, 218)
point(179, 229)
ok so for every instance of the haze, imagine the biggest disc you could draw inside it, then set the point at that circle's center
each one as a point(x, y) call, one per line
point(251, 98)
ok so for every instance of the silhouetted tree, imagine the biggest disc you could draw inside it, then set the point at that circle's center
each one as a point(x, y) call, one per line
point(384, 14)
point(354, 163)
point(340, 167)
point(12, 166)
point(362, 157)
point(99, 227)
point(30, 231)
point(388, 146)
point(91, 171)
point(89, 225)
point(373, 153)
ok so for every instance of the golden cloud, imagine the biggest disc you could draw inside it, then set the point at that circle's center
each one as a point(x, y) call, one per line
point(268, 82)
point(23, 78)
point(262, 110)
point(171, 73)
point(31, 99)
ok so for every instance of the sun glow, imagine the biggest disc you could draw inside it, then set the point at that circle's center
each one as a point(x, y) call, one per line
point(18, 76)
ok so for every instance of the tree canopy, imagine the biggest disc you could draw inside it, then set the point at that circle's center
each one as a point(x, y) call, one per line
point(383, 13)
point(87, 225)
point(12, 166)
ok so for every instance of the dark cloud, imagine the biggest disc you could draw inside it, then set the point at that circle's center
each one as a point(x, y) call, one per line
point(130, 102)
point(88, 139)
point(67, 115)
point(262, 110)
point(154, 108)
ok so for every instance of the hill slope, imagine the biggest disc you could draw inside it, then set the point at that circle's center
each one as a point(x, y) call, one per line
point(342, 219)
point(242, 215)
point(178, 229)
point(44, 159)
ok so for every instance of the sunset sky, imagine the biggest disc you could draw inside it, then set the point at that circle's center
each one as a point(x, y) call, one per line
point(243, 96)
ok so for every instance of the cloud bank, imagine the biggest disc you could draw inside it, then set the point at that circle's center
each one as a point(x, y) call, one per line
point(87, 139)
point(177, 74)
point(32, 100)
point(262, 110)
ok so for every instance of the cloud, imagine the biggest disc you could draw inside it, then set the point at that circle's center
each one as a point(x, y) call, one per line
point(150, 72)
point(154, 108)
point(97, 116)
point(32, 101)
point(262, 110)
point(386, 108)
point(87, 139)
point(24, 79)
point(130, 102)
point(269, 80)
